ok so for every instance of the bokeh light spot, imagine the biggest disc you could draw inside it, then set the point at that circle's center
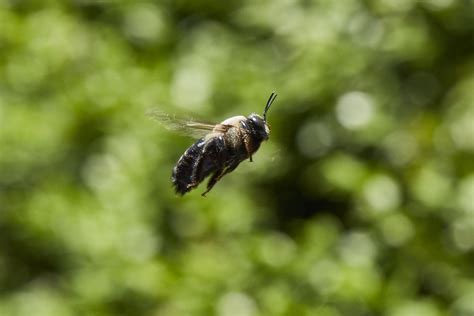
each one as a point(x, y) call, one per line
point(401, 147)
point(382, 193)
point(144, 22)
point(397, 229)
point(277, 250)
point(465, 195)
point(463, 233)
point(431, 187)
point(355, 109)
point(314, 139)
point(191, 86)
point(357, 249)
point(236, 304)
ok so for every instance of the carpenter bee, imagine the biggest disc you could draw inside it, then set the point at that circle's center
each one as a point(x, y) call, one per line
point(219, 151)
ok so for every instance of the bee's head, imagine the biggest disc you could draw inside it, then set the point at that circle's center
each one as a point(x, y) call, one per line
point(258, 126)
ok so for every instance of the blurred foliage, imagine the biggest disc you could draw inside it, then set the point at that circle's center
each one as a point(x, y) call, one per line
point(361, 203)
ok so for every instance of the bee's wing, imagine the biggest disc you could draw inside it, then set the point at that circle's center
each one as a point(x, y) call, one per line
point(187, 127)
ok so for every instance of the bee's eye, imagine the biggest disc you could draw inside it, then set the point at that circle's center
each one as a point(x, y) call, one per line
point(257, 121)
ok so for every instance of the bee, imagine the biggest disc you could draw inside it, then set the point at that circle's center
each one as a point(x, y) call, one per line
point(217, 153)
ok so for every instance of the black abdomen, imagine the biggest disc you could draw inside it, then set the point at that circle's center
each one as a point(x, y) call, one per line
point(183, 170)
point(186, 175)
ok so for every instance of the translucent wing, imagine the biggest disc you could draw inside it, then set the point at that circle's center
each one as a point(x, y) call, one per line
point(186, 127)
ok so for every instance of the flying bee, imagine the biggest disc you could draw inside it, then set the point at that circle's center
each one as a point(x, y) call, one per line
point(218, 152)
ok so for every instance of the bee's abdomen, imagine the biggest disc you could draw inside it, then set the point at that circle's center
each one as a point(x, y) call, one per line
point(183, 170)
point(197, 162)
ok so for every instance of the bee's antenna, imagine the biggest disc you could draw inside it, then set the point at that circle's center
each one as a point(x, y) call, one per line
point(269, 103)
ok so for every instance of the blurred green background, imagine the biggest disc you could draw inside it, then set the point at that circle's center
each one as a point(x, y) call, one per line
point(361, 202)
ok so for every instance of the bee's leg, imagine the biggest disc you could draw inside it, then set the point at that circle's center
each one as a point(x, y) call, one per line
point(219, 174)
point(230, 168)
point(248, 147)
point(215, 177)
